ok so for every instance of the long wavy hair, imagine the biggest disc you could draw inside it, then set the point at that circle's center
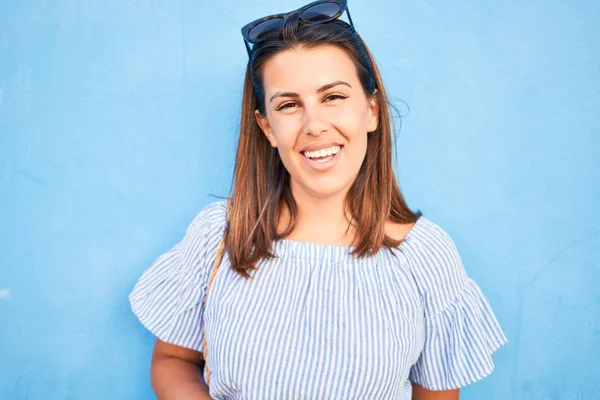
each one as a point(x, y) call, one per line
point(261, 184)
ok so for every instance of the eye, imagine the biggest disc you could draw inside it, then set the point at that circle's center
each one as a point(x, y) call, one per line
point(291, 104)
point(334, 97)
point(285, 105)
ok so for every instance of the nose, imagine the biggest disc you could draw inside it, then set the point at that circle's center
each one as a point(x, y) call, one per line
point(314, 121)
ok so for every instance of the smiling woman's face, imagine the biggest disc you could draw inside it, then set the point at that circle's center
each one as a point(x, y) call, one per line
point(314, 100)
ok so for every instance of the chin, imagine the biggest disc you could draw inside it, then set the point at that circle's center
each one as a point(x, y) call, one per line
point(325, 187)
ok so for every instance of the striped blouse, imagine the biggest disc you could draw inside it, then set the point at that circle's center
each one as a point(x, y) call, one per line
point(318, 323)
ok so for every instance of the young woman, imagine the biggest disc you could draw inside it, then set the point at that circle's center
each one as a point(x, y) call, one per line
point(329, 285)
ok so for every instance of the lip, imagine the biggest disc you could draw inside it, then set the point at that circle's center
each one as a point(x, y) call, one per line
point(320, 166)
point(320, 146)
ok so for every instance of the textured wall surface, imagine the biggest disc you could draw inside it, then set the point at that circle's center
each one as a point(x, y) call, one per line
point(118, 121)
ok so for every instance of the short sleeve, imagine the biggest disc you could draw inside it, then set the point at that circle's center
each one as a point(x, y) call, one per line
point(168, 297)
point(461, 330)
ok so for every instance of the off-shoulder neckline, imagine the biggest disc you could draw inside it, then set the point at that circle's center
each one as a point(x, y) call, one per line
point(337, 253)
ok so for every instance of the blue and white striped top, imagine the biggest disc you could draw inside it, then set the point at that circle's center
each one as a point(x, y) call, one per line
point(318, 323)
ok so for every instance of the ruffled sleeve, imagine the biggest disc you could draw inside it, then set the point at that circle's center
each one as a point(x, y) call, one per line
point(461, 330)
point(168, 298)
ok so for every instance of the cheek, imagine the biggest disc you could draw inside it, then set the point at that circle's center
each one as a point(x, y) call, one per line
point(286, 131)
point(358, 150)
point(351, 120)
point(286, 136)
point(351, 128)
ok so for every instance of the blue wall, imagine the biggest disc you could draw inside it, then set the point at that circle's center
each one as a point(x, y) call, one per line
point(118, 120)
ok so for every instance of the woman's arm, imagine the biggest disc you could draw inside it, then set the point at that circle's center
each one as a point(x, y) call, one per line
point(176, 373)
point(420, 393)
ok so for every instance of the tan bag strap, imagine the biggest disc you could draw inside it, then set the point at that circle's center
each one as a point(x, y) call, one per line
point(211, 277)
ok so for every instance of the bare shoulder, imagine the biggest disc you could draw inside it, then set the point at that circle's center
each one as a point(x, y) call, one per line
point(396, 230)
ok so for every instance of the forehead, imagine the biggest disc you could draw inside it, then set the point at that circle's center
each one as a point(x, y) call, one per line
point(307, 69)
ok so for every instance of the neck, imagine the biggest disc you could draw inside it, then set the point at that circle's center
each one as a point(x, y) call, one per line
point(320, 219)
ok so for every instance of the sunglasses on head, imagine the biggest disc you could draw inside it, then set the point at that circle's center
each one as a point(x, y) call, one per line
point(317, 12)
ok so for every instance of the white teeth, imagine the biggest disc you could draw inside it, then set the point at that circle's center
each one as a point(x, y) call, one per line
point(324, 160)
point(323, 152)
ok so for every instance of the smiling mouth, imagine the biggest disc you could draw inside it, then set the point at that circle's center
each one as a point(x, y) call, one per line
point(325, 163)
point(322, 159)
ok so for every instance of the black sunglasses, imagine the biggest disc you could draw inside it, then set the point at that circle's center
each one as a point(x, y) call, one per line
point(317, 12)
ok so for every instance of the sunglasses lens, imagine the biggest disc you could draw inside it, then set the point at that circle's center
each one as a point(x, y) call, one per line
point(266, 26)
point(320, 12)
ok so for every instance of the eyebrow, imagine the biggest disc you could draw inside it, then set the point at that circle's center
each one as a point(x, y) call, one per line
point(320, 90)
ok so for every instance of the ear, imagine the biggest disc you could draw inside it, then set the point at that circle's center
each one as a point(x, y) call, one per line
point(263, 123)
point(373, 116)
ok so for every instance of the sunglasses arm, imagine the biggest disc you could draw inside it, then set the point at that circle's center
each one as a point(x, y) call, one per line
point(247, 47)
point(349, 17)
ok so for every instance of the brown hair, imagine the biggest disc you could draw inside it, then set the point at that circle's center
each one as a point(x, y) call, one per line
point(260, 183)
